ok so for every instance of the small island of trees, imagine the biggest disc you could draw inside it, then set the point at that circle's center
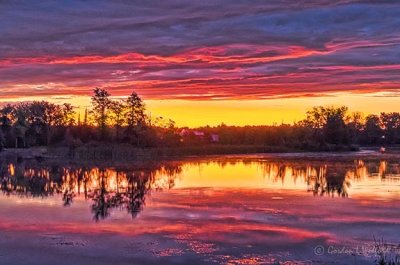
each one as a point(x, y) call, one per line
point(111, 122)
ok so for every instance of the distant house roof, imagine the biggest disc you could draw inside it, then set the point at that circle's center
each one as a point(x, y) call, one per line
point(184, 132)
point(198, 133)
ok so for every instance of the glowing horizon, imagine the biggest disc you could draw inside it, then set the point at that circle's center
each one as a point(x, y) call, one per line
point(239, 112)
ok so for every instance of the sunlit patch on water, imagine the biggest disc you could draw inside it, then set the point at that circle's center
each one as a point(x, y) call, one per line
point(247, 260)
point(194, 245)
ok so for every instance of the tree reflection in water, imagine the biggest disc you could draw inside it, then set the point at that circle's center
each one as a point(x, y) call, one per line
point(107, 188)
point(321, 179)
point(126, 187)
point(332, 179)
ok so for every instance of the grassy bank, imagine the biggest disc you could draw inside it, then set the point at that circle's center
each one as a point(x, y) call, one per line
point(127, 152)
point(123, 152)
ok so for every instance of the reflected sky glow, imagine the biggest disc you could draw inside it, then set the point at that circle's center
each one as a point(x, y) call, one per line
point(213, 210)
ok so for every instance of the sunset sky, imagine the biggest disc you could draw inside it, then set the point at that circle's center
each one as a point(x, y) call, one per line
point(205, 62)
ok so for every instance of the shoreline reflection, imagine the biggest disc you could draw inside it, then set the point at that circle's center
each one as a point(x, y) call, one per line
point(127, 187)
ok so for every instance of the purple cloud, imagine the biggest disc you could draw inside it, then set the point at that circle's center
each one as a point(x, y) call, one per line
point(199, 50)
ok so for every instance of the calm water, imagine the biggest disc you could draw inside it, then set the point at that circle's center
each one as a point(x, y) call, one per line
point(219, 210)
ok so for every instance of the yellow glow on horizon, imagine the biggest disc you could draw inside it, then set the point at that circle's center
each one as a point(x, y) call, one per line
point(235, 175)
point(244, 112)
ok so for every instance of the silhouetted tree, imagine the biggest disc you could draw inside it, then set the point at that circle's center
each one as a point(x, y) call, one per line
point(6, 122)
point(118, 110)
point(101, 103)
point(372, 130)
point(135, 114)
point(68, 115)
point(328, 124)
point(335, 127)
point(391, 124)
point(135, 118)
point(355, 125)
point(20, 125)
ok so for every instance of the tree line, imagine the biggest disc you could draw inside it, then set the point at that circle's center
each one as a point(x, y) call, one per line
point(110, 120)
point(325, 128)
point(41, 123)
